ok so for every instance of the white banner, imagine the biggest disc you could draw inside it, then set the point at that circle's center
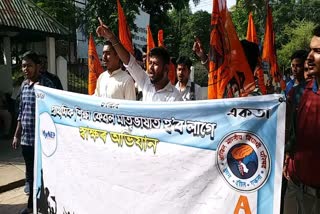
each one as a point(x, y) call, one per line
point(114, 156)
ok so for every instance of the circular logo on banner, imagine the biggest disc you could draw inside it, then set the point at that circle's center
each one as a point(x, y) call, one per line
point(48, 135)
point(243, 160)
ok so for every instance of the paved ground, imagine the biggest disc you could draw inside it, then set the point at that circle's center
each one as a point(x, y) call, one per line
point(12, 175)
point(11, 202)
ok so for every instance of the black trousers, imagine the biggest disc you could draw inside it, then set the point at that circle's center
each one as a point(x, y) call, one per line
point(28, 155)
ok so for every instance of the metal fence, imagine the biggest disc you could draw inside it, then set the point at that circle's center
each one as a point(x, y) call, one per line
point(78, 77)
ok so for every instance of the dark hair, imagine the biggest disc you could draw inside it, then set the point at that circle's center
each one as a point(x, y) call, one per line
point(109, 43)
point(161, 53)
point(173, 60)
point(299, 54)
point(316, 31)
point(184, 60)
point(32, 56)
point(43, 59)
point(144, 48)
point(137, 54)
point(251, 50)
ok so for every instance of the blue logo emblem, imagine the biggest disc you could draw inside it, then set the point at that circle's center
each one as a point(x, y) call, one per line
point(243, 161)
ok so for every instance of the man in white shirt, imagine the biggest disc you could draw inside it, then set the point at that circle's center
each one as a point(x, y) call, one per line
point(187, 88)
point(114, 83)
point(155, 84)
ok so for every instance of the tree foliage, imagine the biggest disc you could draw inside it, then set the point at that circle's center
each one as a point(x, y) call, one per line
point(107, 10)
point(64, 12)
point(182, 27)
point(288, 15)
point(73, 17)
point(300, 34)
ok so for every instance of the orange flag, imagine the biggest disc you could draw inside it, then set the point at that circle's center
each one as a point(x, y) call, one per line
point(260, 75)
point(124, 31)
point(160, 38)
point(228, 67)
point(251, 30)
point(269, 58)
point(94, 66)
point(252, 37)
point(150, 44)
point(172, 68)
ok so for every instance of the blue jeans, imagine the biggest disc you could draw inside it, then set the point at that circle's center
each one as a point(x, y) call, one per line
point(299, 201)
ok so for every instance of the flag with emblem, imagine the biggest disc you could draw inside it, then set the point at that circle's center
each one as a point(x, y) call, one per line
point(229, 71)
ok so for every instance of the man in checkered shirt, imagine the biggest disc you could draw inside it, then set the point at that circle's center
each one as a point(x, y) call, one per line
point(25, 131)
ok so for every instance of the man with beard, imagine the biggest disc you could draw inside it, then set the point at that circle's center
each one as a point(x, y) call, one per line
point(189, 90)
point(114, 83)
point(302, 158)
point(155, 84)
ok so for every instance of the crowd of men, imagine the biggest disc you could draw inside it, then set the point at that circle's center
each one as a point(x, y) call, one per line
point(124, 73)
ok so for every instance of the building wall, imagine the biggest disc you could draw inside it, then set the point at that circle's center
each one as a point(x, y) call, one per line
point(5, 68)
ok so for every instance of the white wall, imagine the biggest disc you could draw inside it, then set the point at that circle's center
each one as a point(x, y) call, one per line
point(139, 38)
point(62, 71)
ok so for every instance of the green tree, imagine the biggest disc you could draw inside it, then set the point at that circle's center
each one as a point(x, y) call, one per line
point(287, 15)
point(64, 12)
point(181, 29)
point(198, 24)
point(300, 34)
point(107, 10)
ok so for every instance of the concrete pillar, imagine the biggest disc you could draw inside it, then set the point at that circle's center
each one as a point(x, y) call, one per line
point(62, 71)
point(51, 54)
point(5, 69)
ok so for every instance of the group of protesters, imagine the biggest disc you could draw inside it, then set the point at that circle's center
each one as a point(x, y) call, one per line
point(124, 74)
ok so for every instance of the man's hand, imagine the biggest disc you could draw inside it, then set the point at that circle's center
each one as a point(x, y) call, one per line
point(285, 167)
point(105, 32)
point(15, 142)
point(198, 49)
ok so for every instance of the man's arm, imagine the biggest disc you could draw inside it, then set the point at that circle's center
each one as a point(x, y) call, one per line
point(289, 136)
point(135, 70)
point(17, 136)
point(199, 51)
point(105, 32)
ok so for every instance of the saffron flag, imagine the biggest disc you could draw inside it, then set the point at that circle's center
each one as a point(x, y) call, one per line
point(252, 37)
point(229, 71)
point(94, 66)
point(260, 75)
point(124, 31)
point(160, 38)
point(269, 58)
point(251, 30)
point(239, 64)
point(150, 44)
point(172, 67)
